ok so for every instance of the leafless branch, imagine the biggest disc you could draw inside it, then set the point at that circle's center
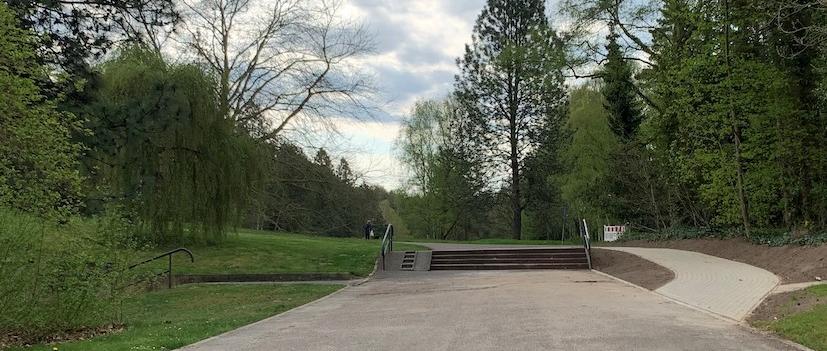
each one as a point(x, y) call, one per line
point(277, 60)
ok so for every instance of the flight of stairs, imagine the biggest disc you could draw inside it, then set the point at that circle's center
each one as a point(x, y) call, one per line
point(550, 258)
point(408, 261)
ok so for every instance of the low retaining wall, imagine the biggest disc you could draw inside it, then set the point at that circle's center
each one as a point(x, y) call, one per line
point(265, 277)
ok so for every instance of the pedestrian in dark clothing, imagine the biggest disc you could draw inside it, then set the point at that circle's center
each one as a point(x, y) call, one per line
point(368, 230)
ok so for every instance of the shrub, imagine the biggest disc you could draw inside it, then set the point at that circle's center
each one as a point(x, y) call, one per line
point(762, 236)
point(51, 281)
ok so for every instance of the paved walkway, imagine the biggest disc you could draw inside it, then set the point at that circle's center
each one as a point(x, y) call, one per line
point(728, 288)
point(493, 310)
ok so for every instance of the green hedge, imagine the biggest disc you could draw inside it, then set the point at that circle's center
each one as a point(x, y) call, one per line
point(769, 237)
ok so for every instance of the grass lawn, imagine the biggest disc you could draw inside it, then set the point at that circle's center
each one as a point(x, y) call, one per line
point(168, 319)
point(807, 328)
point(251, 251)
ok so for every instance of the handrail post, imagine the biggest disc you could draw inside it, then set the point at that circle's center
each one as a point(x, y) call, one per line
point(587, 245)
point(169, 263)
point(169, 272)
point(387, 243)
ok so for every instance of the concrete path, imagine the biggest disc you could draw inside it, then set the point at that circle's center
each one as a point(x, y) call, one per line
point(493, 310)
point(728, 288)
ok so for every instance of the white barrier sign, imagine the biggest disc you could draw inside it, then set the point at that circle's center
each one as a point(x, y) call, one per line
point(612, 232)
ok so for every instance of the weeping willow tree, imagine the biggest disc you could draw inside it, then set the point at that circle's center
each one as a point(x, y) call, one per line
point(161, 146)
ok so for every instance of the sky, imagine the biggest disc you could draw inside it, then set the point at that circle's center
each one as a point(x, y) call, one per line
point(416, 46)
point(417, 43)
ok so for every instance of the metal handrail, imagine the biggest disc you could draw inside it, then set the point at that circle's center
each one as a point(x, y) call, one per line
point(387, 243)
point(169, 267)
point(587, 242)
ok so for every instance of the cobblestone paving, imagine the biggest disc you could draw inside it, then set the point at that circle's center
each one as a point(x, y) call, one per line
point(728, 288)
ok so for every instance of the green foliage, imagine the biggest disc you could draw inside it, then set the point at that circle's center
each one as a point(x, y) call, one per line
point(511, 87)
point(701, 100)
point(54, 279)
point(731, 135)
point(448, 179)
point(587, 159)
point(769, 237)
point(619, 91)
point(400, 227)
point(38, 166)
point(160, 146)
point(301, 195)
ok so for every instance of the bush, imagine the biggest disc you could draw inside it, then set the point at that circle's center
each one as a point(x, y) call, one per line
point(51, 281)
point(674, 233)
point(38, 161)
point(763, 236)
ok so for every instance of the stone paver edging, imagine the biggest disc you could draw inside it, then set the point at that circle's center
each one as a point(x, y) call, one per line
point(727, 288)
point(785, 288)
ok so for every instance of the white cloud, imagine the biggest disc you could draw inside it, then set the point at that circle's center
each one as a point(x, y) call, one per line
point(417, 43)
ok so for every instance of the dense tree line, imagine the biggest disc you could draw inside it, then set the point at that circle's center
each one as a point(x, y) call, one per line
point(485, 156)
point(96, 119)
point(318, 196)
point(732, 116)
point(706, 114)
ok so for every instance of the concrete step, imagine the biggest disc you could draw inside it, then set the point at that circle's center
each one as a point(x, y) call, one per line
point(442, 267)
point(534, 258)
point(408, 261)
point(510, 260)
point(510, 251)
point(508, 255)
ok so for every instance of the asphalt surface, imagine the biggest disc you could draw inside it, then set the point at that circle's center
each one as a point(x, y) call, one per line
point(493, 310)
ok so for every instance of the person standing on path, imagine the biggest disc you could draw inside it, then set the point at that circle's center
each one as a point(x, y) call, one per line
point(368, 230)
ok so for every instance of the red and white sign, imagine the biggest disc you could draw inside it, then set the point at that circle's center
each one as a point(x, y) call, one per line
point(612, 232)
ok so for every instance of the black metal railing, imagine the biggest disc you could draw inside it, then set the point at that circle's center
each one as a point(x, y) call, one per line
point(583, 228)
point(167, 254)
point(387, 244)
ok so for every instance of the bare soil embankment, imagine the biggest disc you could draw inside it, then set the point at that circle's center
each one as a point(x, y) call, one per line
point(631, 268)
point(793, 264)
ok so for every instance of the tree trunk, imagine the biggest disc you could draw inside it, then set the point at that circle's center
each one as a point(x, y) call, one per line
point(742, 197)
point(736, 133)
point(516, 206)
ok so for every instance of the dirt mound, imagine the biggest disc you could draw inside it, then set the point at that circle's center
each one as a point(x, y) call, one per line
point(631, 268)
point(11, 339)
point(782, 305)
point(793, 264)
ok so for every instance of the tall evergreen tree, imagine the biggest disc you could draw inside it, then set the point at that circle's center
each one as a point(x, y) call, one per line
point(344, 172)
point(619, 91)
point(322, 158)
point(511, 85)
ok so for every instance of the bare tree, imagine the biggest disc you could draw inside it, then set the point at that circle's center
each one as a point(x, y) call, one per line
point(633, 19)
point(796, 19)
point(277, 61)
